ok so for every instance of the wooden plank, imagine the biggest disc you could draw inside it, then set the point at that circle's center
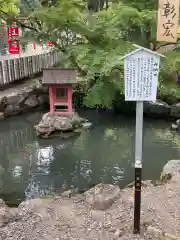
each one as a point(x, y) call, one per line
point(21, 68)
point(9, 71)
point(18, 68)
point(15, 69)
point(40, 62)
point(168, 17)
point(59, 76)
point(61, 104)
point(25, 60)
point(30, 66)
point(12, 70)
point(46, 60)
point(6, 70)
point(34, 64)
point(1, 74)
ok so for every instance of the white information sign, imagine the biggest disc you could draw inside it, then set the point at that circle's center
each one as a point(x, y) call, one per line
point(141, 69)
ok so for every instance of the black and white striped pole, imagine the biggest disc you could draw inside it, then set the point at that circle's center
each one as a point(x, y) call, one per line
point(138, 166)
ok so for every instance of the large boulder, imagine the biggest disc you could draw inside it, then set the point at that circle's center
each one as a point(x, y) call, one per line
point(7, 214)
point(53, 123)
point(31, 101)
point(157, 109)
point(3, 213)
point(43, 99)
point(34, 206)
point(12, 110)
point(102, 196)
point(16, 98)
point(170, 171)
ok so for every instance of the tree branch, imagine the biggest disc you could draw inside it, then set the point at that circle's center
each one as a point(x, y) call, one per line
point(166, 44)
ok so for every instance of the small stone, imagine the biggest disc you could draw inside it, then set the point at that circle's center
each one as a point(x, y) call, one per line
point(1, 116)
point(86, 125)
point(171, 168)
point(169, 236)
point(3, 103)
point(118, 234)
point(156, 233)
point(67, 193)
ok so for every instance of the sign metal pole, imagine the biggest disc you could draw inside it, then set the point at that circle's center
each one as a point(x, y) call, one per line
point(138, 165)
point(141, 68)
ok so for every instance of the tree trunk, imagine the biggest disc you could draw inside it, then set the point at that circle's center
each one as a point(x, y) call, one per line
point(107, 4)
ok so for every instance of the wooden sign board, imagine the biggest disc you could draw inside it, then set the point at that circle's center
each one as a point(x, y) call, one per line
point(167, 22)
point(141, 68)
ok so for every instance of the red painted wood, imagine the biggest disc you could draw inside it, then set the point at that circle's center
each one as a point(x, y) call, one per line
point(51, 100)
point(65, 100)
point(70, 100)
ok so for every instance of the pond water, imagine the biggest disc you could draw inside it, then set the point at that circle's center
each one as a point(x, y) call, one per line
point(30, 167)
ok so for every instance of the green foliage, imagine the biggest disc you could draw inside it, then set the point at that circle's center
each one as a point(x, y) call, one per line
point(47, 197)
point(169, 93)
point(8, 8)
point(95, 42)
point(141, 5)
point(170, 65)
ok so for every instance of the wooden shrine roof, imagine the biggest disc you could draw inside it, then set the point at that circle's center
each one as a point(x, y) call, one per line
point(59, 76)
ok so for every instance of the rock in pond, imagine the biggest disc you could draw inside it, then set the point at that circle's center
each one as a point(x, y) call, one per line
point(175, 110)
point(60, 124)
point(157, 109)
point(176, 125)
point(171, 171)
point(7, 214)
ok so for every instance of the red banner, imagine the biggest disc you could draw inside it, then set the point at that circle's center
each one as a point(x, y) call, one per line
point(50, 44)
point(13, 32)
point(13, 47)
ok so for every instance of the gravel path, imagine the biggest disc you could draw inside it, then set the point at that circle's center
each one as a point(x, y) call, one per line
point(72, 217)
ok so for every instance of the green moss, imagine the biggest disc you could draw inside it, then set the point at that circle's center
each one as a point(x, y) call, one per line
point(169, 93)
point(47, 197)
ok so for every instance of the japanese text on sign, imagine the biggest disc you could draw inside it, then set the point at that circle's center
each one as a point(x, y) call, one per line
point(167, 23)
point(13, 32)
point(13, 47)
point(141, 76)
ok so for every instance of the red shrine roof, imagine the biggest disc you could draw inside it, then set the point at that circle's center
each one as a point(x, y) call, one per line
point(59, 76)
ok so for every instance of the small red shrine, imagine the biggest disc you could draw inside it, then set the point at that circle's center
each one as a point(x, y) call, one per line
point(60, 82)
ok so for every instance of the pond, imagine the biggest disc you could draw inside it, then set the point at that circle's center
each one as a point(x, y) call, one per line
point(31, 167)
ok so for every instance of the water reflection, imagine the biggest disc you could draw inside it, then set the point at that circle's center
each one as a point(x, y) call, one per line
point(30, 167)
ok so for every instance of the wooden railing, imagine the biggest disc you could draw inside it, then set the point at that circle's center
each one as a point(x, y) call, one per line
point(12, 70)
